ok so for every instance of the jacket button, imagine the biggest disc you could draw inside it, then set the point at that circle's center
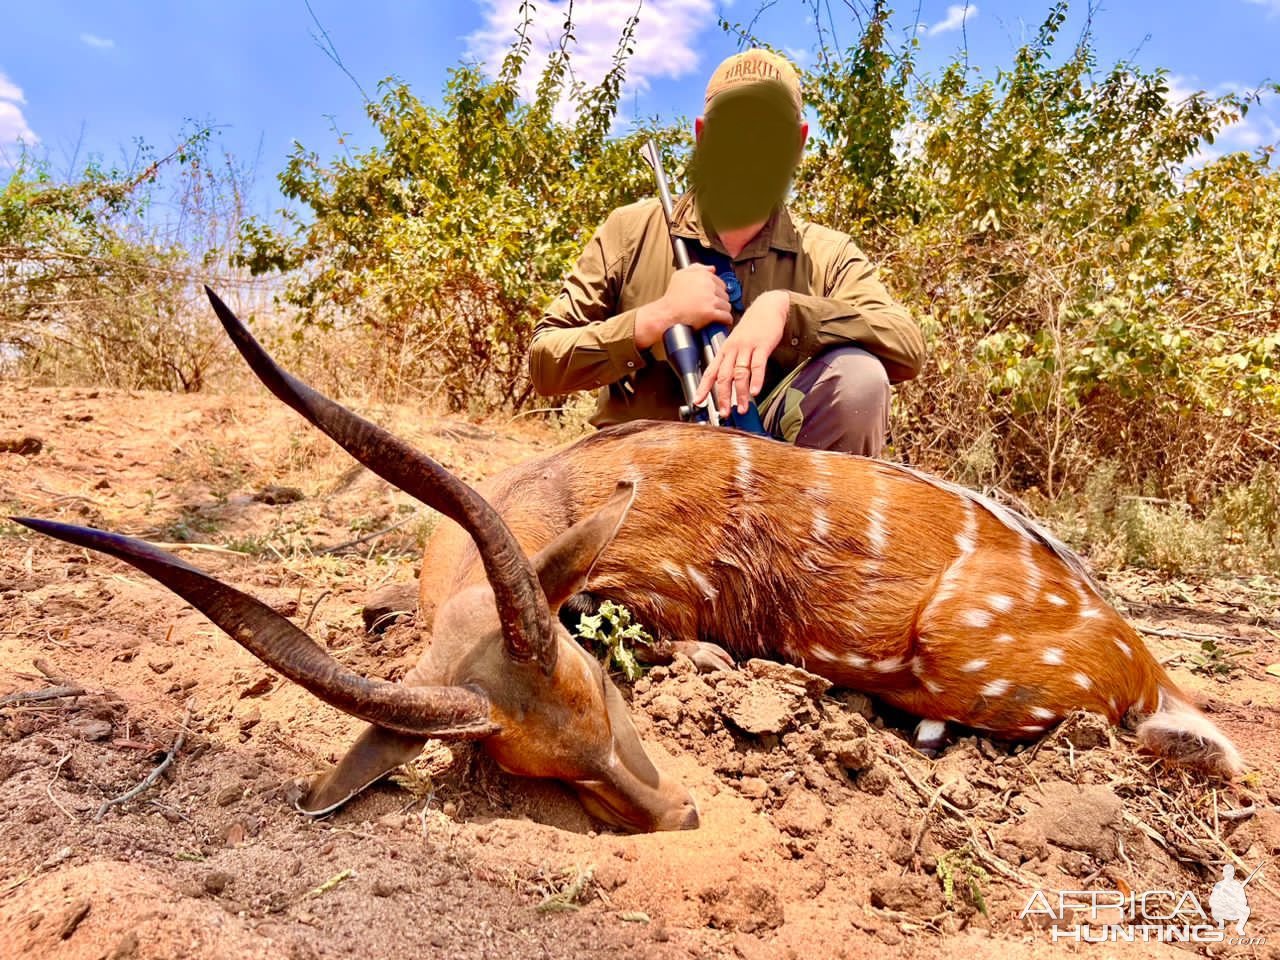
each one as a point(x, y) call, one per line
point(631, 363)
point(795, 341)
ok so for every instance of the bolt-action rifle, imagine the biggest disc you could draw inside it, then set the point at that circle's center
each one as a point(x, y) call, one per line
point(690, 352)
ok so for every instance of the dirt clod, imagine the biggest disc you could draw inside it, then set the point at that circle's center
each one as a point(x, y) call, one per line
point(24, 446)
point(276, 495)
point(385, 606)
point(912, 894)
point(73, 917)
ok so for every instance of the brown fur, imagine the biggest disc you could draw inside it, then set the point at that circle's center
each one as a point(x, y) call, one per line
point(875, 577)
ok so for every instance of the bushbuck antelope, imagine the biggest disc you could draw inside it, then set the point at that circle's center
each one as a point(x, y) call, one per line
point(933, 598)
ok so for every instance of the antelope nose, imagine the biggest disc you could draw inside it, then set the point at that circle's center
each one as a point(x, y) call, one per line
point(691, 819)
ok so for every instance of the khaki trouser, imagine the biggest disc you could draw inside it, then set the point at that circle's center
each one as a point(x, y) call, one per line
point(838, 400)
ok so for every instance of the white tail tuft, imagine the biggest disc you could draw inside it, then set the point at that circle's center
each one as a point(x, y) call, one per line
point(1182, 734)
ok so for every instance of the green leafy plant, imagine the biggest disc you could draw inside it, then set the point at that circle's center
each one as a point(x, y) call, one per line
point(959, 870)
point(612, 633)
point(1214, 660)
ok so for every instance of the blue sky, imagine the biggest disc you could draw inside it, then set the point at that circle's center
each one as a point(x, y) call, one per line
point(79, 78)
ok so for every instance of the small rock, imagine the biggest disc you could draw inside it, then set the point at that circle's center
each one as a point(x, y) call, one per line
point(126, 948)
point(215, 882)
point(160, 666)
point(755, 709)
point(234, 834)
point(874, 781)
point(24, 446)
point(801, 814)
point(752, 787)
point(260, 686)
point(384, 888)
point(912, 894)
point(88, 728)
point(384, 607)
point(813, 685)
point(275, 495)
point(682, 666)
point(72, 918)
point(1079, 818)
point(251, 719)
point(1084, 731)
point(961, 792)
point(665, 707)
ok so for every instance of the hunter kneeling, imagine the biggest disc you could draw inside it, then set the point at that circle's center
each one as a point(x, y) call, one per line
point(815, 336)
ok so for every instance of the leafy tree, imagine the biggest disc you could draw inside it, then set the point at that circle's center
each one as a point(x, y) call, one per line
point(94, 287)
point(446, 238)
point(1092, 287)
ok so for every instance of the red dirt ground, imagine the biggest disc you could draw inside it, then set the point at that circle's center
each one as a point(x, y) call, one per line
point(824, 833)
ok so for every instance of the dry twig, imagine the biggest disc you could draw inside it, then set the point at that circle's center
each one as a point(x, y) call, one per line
point(154, 775)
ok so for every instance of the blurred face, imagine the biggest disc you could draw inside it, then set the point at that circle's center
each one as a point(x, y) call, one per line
point(749, 143)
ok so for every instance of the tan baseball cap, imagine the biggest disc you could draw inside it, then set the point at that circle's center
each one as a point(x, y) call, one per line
point(754, 66)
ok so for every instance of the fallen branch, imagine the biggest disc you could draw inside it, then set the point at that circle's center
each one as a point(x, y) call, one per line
point(988, 858)
point(154, 775)
point(1186, 634)
point(34, 696)
point(369, 536)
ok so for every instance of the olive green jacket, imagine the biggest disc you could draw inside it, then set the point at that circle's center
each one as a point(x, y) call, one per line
point(586, 337)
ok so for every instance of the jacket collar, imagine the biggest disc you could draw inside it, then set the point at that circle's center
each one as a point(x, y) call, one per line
point(778, 232)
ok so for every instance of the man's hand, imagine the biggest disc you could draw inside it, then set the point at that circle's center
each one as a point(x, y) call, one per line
point(738, 369)
point(695, 297)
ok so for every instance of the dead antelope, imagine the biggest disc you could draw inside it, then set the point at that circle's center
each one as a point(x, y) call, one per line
point(935, 599)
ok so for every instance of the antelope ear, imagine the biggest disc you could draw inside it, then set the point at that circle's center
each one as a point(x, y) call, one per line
point(564, 564)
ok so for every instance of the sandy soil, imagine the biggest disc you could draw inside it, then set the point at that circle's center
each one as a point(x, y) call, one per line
point(824, 833)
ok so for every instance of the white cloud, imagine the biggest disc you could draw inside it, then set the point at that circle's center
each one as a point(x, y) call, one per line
point(663, 41)
point(1271, 6)
point(10, 90)
point(957, 15)
point(97, 42)
point(1261, 127)
point(13, 125)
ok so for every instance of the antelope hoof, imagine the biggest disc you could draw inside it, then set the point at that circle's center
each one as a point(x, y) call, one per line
point(707, 657)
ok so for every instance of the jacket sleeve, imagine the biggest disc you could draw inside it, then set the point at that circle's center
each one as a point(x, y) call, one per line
point(581, 343)
point(856, 309)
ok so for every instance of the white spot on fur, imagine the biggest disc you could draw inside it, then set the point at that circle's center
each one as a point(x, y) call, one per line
point(1053, 656)
point(1090, 613)
point(855, 660)
point(934, 688)
point(1124, 647)
point(821, 524)
point(887, 666)
point(742, 474)
point(996, 688)
point(1030, 569)
point(1000, 602)
point(1056, 600)
point(978, 618)
point(967, 539)
point(1032, 728)
point(973, 666)
point(877, 536)
point(1043, 713)
point(673, 571)
point(917, 665)
point(703, 584)
point(1083, 682)
point(1004, 638)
